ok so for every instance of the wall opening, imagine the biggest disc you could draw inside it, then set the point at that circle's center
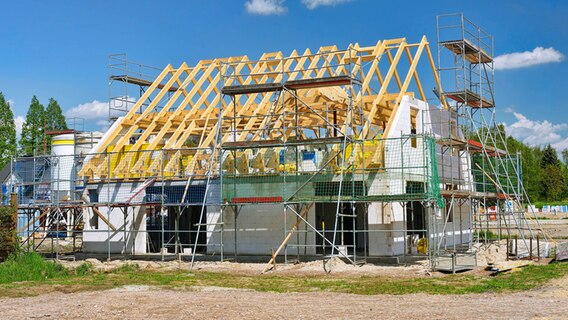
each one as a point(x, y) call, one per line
point(325, 221)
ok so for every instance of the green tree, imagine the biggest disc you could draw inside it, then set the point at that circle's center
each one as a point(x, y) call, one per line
point(7, 132)
point(54, 119)
point(553, 186)
point(531, 171)
point(553, 175)
point(565, 156)
point(549, 157)
point(33, 133)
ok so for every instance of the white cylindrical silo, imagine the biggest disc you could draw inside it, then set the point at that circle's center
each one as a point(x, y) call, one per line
point(63, 159)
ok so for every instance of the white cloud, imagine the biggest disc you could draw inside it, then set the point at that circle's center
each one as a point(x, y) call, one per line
point(11, 103)
point(561, 145)
point(312, 4)
point(265, 7)
point(538, 133)
point(97, 112)
point(103, 124)
point(19, 121)
point(94, 110)
point(517, 60)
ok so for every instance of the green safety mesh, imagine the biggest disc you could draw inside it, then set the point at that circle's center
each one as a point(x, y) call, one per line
point(434, 176)
point(399, 169)
point(497, 174)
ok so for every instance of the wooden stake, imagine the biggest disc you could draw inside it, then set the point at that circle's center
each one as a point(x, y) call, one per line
point(288, 236)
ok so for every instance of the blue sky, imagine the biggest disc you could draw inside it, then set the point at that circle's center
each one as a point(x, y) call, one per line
point(59, 48)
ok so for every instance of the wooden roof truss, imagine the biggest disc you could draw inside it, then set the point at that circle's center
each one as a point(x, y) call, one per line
point(299, 96)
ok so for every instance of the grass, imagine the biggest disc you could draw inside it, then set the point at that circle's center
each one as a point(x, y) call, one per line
point(486, 235)
point(29, 267)
point(44, 277)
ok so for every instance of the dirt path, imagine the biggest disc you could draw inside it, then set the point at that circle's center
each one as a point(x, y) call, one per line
point(137, 302)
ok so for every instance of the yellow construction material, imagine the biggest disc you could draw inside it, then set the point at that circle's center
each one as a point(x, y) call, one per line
point(184, 104)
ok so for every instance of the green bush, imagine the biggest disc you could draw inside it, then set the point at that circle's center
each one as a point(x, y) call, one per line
point(29, 266)
point(8, 238)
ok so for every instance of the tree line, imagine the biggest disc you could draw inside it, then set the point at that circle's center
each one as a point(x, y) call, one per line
point(34, 139)
point(544, 175)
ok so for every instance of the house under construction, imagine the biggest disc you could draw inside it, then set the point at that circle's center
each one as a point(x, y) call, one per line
point(323, 153)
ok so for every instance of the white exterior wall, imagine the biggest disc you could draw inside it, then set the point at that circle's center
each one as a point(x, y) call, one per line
point(459, 229)
point(260, 228)
point(387, 220)
point(96, 240)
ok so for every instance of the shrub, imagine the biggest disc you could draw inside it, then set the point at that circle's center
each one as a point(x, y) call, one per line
point(8, 237)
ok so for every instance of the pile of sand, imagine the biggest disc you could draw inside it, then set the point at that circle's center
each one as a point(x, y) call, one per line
point(491, 253)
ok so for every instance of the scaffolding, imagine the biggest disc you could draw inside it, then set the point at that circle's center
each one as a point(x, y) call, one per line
point(329, 149)
point(128, 80)
point(466, 67)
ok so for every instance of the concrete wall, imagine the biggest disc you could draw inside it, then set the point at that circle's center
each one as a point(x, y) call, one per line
point(98, 237)
point(458, 229)
point(386, 220)
point(260, 228)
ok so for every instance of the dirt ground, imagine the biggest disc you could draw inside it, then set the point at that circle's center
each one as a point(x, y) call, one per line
point(555, 227)
point(339, 268)
point(137, 302)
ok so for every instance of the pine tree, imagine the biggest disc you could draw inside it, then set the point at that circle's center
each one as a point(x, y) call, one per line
point(553, 182)
point(7, 132)
point(549, 157)
point(54, 119)
point(33, 133)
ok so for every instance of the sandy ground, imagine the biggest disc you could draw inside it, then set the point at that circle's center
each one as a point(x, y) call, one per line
point(137, 302)
point(339, 268)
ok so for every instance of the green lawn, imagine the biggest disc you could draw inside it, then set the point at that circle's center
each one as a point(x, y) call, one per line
point(48, 277)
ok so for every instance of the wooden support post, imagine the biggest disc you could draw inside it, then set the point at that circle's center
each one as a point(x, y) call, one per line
point(531, 249)
point(14, 205)
point(290, 233)
point(538, 246)
point(516, 246)
point(98, 213)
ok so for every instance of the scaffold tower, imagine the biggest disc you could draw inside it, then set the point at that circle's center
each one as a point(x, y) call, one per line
point(466, 67)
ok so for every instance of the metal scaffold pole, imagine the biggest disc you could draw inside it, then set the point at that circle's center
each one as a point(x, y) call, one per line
point(465, 54)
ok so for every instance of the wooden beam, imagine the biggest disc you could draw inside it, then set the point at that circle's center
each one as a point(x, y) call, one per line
point(405, 86)
point(383, 90)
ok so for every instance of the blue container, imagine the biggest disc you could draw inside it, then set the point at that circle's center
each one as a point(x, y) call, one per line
point(309, 155)
point(55, 234)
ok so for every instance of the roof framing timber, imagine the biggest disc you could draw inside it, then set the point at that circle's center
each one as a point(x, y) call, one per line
point(255, 100)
